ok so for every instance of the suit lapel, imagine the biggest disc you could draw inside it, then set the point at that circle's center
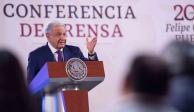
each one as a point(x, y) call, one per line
point(48, 54)
point(66, 53)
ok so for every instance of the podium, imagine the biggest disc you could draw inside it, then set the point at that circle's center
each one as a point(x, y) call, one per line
point(53, 77)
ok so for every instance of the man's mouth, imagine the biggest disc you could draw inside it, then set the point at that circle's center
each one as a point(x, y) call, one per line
point(62, 42)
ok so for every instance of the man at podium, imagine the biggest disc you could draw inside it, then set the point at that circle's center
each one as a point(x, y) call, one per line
point(56, 50)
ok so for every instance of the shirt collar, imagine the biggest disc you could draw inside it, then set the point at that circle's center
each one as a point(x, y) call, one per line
point(53, 50)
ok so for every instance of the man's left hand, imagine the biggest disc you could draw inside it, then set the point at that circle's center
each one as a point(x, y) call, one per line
point(91, 45)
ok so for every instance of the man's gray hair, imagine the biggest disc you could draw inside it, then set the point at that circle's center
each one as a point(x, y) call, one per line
point(51, 25)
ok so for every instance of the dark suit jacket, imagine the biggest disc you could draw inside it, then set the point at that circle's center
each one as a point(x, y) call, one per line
point(40, 56)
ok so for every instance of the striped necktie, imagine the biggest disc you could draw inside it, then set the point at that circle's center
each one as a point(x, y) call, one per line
point(60, 55)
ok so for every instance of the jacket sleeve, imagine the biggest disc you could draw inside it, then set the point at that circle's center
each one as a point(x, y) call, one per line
point(90, 57)
point(32, 68)
point(93, 57)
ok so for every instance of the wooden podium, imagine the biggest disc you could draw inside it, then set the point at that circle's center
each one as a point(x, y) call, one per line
point(53, 77)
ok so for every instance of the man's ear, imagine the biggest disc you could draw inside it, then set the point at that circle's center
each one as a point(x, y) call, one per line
point(47, 35)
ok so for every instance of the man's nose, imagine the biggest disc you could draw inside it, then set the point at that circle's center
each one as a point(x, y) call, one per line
point(63, 36)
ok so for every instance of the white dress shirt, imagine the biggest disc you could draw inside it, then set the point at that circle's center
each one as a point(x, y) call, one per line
point(53, 50)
